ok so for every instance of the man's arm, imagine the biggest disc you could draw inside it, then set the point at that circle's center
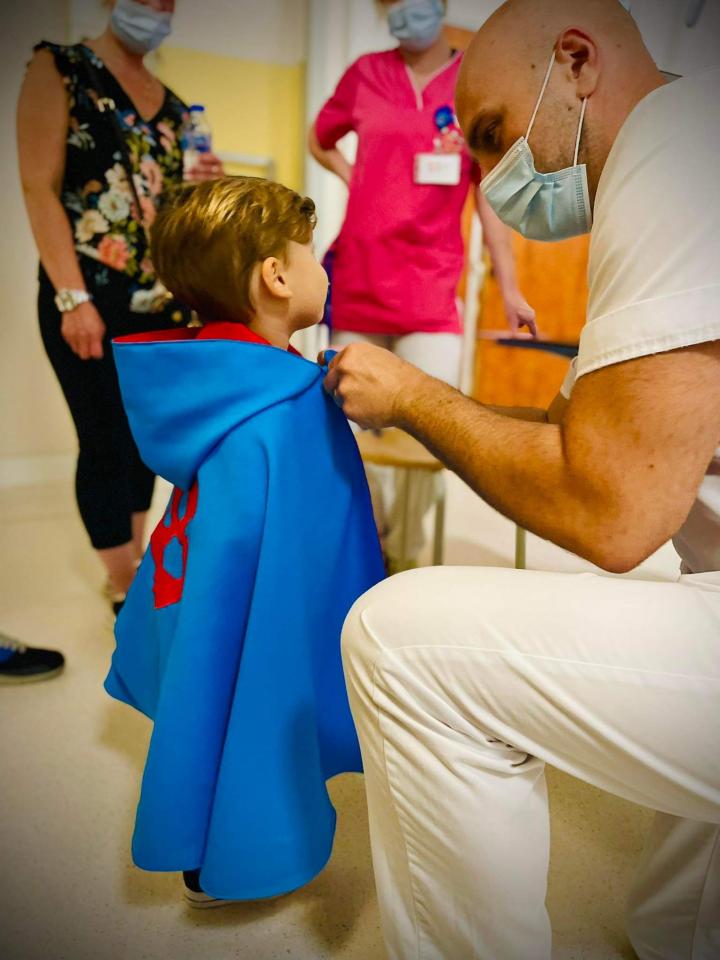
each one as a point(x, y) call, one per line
point(611, 482)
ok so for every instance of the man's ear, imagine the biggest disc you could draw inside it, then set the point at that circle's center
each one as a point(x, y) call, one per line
point(274, 278)
point(578, 53)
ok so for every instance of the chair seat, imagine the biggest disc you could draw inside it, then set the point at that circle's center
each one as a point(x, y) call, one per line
point(395, 448)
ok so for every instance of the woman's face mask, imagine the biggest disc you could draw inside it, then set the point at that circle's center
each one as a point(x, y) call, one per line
point(540, 206)
point(416, 24)
point(138, 27)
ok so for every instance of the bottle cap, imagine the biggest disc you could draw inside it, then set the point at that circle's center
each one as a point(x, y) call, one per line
point(197, 108)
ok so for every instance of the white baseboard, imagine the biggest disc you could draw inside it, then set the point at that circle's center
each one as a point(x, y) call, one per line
point(31, 471)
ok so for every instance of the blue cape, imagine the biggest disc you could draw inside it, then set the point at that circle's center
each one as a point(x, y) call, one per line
point(242, 675)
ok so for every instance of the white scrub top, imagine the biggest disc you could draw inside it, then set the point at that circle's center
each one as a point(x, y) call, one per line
point(654, 269)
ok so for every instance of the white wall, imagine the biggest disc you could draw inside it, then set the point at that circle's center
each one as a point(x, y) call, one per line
point(35, 422)
point(674, 47)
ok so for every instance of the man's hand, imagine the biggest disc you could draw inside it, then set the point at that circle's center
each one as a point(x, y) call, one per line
point(83, 330)
point(519, 313)
point(208, 167)
point(371, 385)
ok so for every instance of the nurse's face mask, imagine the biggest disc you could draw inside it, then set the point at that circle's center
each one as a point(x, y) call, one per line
point(540, 206)
point(416, 24)
point(138, 27)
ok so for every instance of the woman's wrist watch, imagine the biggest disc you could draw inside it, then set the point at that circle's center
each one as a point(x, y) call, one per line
point(66, 300)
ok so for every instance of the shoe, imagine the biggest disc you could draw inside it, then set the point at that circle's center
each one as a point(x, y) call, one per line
point(28, 664)
point(196, 897)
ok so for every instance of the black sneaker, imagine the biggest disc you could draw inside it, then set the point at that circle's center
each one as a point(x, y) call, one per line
point(28, 664)
point(196, 897)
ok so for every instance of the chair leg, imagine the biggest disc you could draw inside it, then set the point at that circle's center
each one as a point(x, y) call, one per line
point(439, 536)
point(405, 513)
point(520, 548)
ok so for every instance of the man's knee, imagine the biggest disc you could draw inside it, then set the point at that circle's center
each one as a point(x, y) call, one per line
point(363, 638)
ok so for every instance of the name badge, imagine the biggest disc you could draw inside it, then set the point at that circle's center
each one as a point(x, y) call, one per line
point(438, 168)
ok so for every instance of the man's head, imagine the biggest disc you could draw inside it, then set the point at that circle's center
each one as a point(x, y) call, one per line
point(599, 56)
point(239, 247)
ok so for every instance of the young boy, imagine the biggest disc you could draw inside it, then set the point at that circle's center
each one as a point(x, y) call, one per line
point(230, 636)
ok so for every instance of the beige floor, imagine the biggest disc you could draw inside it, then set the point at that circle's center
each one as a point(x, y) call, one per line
point(70, 759)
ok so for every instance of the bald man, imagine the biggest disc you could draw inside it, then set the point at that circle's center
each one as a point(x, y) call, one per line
point(465, 682)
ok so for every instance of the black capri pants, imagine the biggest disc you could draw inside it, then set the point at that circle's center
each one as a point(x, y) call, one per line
point(111, 481)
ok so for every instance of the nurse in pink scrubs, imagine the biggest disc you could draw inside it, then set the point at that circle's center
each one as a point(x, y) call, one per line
point(400, 252)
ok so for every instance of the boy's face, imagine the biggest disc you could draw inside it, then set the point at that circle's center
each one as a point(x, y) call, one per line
point(309, 284)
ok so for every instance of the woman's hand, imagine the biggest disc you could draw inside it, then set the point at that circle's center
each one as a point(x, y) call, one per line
point(519, 313)
point(83, 331)
point(207, 167)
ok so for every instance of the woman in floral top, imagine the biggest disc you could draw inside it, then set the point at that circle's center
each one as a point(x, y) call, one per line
point(96, 279)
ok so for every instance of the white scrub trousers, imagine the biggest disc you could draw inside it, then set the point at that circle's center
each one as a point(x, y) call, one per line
point(439, 355)
point(464, 682)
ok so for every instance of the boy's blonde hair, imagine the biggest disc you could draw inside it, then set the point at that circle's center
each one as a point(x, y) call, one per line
point(209, 236)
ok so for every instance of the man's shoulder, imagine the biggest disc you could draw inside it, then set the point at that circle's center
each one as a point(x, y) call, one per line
point(676, 124)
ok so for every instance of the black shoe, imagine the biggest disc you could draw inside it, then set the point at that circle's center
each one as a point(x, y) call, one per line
point(28, 664)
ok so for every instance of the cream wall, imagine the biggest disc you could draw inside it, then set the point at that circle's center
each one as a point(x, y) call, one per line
point(245, 60)
point(253, 107)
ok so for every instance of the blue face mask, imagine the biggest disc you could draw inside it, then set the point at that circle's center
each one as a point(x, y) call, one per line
point(139, 28)
point(540, 206)
point(416, 24)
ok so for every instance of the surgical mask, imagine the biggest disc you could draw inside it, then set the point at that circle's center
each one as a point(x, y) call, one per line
point(540, 206)
point(139, 28)
point(416, 24)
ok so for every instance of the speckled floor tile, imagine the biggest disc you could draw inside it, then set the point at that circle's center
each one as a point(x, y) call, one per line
point(70, 760)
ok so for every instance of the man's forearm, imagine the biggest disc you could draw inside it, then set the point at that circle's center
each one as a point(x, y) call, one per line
point(517, 466)
point(531, 414)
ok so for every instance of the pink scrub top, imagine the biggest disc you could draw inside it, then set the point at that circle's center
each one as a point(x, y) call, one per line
point(400, 252)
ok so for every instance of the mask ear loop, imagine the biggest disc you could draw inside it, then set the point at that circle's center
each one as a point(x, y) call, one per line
point(542, 93)
point(579, 133)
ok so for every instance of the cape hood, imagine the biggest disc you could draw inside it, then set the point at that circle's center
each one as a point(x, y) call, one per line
point(214, 389)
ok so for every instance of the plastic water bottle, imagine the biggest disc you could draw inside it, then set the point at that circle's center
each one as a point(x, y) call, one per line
point(197, 136)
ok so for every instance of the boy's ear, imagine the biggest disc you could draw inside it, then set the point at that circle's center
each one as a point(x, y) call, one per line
point(274, 277)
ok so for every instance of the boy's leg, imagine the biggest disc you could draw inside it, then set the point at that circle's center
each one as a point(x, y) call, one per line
point(463, 682)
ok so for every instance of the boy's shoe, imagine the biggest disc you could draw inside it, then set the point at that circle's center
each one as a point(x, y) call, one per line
point(196, 897)
point(28, 664)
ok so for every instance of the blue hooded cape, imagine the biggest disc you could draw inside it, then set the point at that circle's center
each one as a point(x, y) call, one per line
point(242, 674)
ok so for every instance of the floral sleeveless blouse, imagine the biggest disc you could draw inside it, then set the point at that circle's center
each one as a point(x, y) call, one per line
point(95, 191)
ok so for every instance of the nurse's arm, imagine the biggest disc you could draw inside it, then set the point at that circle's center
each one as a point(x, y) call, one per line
point(614, 480)
point(498, 239)
point(333, 160)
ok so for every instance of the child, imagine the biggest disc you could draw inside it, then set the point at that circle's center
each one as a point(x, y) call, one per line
point(230, 636)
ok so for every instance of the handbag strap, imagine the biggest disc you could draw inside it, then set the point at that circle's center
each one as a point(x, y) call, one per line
point(106, 106)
